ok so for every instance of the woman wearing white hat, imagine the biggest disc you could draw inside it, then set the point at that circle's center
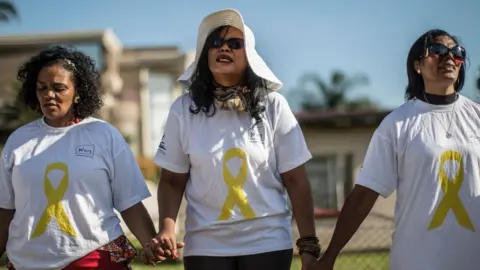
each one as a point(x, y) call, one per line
point(234, 147)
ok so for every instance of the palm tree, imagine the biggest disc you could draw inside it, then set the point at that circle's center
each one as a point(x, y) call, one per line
point(14, 113)
point(8, 11)
point(332, 95)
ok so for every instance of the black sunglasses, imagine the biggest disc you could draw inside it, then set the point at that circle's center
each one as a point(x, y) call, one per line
point(232, 43)
point(439, 49)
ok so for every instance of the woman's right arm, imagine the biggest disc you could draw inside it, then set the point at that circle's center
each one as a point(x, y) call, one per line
point(354, 211)
point(6, 216)
point(378, 176)
point(170, 193)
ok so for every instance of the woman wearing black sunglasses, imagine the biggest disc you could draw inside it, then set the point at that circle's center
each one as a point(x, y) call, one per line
point(428, 151)
point(234, 147)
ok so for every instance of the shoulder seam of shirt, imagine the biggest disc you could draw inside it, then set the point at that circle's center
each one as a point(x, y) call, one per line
point(125, 147)
point(386, 139)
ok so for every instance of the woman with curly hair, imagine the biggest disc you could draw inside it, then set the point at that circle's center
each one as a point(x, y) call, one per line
point(234, 147)
point(62, 176)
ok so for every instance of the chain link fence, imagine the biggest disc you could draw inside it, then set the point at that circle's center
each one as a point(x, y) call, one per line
point(368, 249)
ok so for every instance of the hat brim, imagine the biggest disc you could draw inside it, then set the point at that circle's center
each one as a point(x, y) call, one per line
point(232, 18)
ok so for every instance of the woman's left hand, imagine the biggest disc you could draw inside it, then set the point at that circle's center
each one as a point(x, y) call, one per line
point(148, 256)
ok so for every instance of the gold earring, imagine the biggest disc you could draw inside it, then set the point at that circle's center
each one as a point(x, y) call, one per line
point(77, 98)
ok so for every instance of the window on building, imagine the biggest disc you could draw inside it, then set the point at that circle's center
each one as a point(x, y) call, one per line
point(322, 174)
point(92, 49)
point(160, 89)
point(95, 51)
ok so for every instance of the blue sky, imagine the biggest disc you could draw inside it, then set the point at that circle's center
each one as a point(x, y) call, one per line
point(370, 37)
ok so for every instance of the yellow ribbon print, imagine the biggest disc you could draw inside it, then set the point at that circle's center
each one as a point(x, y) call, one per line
point(235, 187)
point(54, 208)
point(451, 199)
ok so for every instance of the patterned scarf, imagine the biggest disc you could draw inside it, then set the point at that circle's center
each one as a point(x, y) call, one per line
point(231, 98)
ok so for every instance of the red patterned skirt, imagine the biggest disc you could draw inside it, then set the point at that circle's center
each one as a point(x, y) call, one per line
point(115, 255)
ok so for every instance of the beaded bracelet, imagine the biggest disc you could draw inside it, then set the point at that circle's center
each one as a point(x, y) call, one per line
point(309, 245)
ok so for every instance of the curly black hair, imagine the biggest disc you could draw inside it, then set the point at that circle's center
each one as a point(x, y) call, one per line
point(201, 88)
point(85, 77)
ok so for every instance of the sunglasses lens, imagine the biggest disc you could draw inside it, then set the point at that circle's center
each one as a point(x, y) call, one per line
point(217, 43)
point(437, 49)
point(458, 52)
point(235, 43)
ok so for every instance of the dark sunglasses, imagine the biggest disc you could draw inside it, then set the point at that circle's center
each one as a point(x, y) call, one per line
point(232, 43)
point(439, 49)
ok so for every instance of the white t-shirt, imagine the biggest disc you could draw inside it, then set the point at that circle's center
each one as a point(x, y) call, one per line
point(232, 162)
point(410, 153)
point(64, 184)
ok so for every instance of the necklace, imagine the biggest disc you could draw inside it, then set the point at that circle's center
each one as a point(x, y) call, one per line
point(72, 122)
point(448, 134)
point(75, 120)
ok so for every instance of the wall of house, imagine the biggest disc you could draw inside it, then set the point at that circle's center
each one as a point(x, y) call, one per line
point(375, 232)
point(340, 142)
point(126, 111)
point(10, 62)
point(143, 105)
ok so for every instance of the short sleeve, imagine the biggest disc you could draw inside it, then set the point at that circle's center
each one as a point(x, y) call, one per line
point(379, 171)
point(127, 183)
point(290, 147)
point(170, 154)
point(7, 196)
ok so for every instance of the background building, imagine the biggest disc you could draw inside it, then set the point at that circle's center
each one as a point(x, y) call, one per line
point(140, 83)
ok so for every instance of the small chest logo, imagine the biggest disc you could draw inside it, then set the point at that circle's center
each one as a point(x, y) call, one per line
point(255, 136)
point(161, 148)
point(85, 150)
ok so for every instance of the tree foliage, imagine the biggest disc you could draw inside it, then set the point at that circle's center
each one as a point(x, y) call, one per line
point(8, 11)
point(332, 94)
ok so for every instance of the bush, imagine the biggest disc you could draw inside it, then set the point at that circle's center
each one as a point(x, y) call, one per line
point(149, 169)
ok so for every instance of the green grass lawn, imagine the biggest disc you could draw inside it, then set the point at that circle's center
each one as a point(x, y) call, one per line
point(361, 261)
point(367, 261)
point(357, 261)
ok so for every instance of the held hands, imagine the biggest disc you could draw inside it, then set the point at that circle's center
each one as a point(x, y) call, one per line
point(163, 246)
point(308, 262)
point(309, 249)
point(325, 263)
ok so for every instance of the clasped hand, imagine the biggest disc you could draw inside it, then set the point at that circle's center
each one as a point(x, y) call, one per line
point(163, 246)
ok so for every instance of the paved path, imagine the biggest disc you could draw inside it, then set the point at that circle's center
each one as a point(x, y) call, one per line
point(150, 204)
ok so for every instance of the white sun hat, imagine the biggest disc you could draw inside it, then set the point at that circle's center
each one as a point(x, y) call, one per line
point(233, 18)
